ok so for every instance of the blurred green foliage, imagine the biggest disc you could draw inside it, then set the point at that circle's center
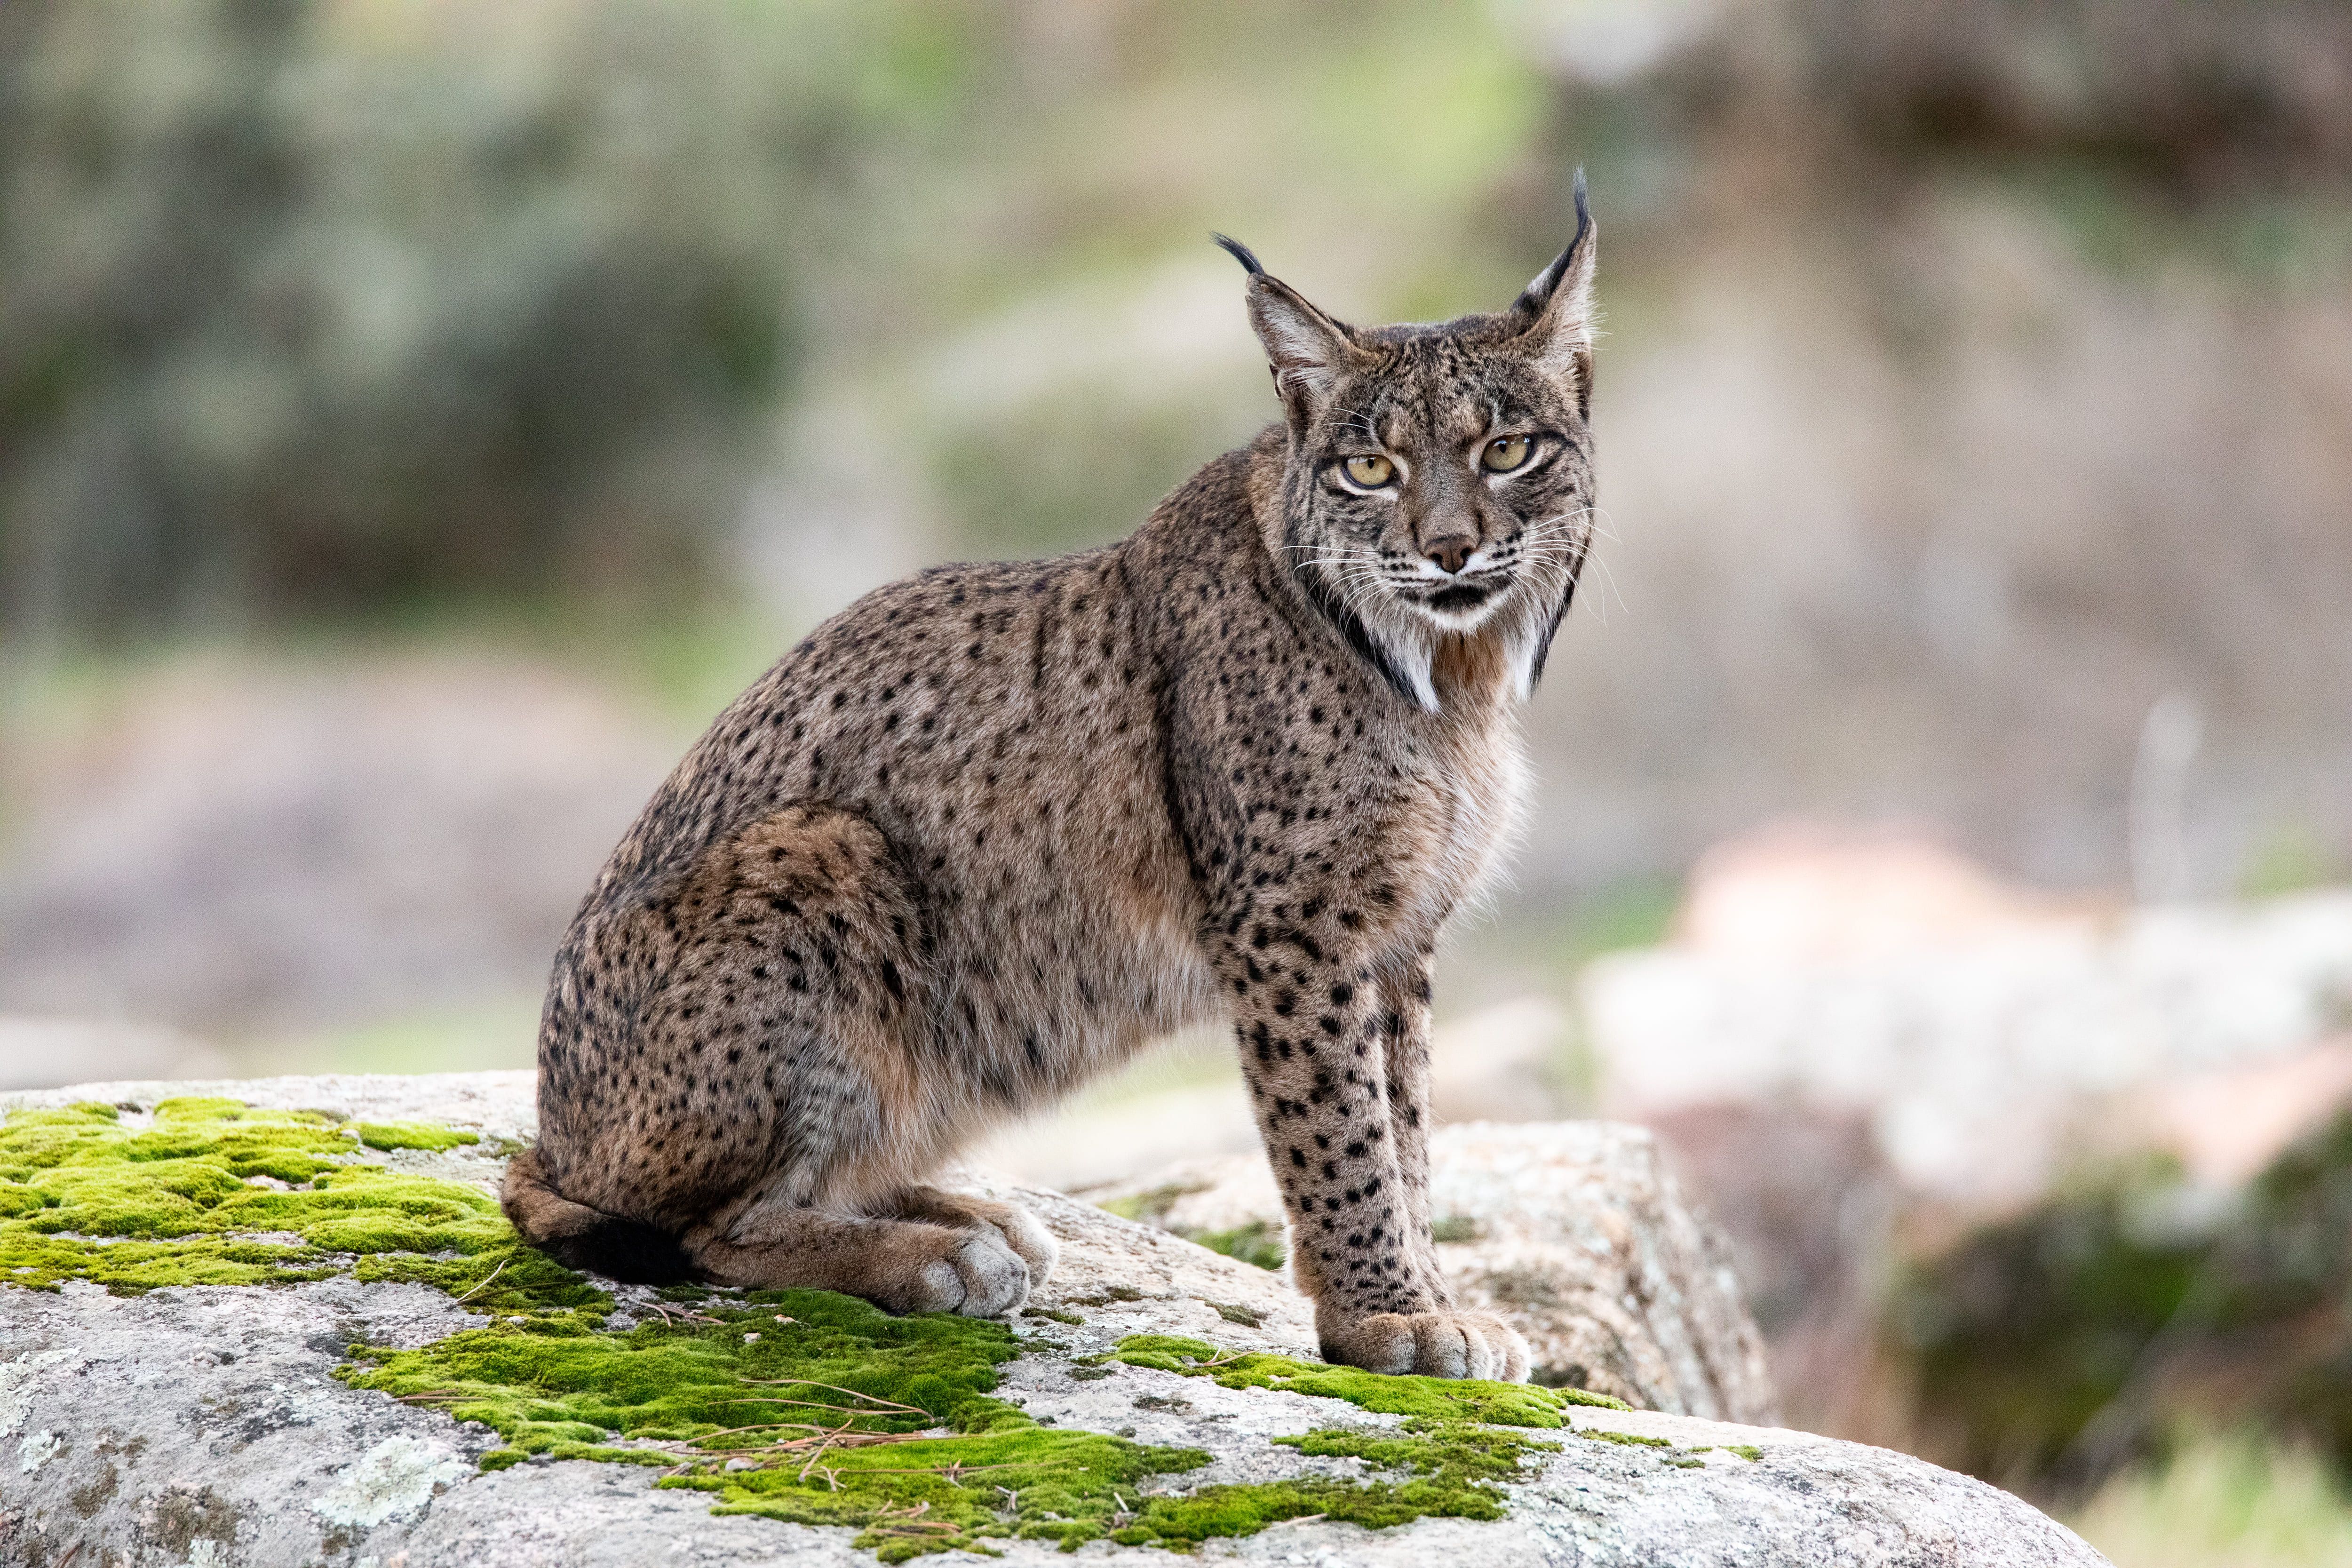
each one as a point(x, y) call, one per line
point(320, 304)
point(2060, 1346)
point(2223, 1501)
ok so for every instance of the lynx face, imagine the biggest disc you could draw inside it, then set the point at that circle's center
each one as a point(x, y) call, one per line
point(1443, 487)
point(1439, 478)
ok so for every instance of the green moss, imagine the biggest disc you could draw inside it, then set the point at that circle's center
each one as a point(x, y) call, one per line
point(933, 1494)
point(391, 1135)
point(1436, 1398)
point(834, 1412)
point(1623, 1440)
point(215, 1192)
point(1076, 1487)
point(1115, 1294)
point(838, 1411)
point(1152, 1207)
point(1047, 1312)
point(1747, 1451)
point(1256, 1243)
point(1428, 1448)
point(786, 1360)
point(1681, 1460)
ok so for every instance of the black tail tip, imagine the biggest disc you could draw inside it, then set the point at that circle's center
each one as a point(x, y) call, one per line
point(625, 1249)
point(1241, 253)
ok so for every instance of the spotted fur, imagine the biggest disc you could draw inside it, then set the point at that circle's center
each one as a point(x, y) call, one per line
point(989, 829)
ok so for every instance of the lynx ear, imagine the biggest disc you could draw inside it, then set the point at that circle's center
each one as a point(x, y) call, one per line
point(1555, 310)
point(1305, 349)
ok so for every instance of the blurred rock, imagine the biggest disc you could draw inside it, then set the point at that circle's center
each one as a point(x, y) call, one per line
point(205, 1423)
point(1810, 1207)
point(1799, 893)
point(37, 1053)
point(1575, 1231)
point(2134, 1305)
point(2226, 1126)
point(1103, 1135)
point(1974, 1034)
point(248, 848)
point(1503, 1063)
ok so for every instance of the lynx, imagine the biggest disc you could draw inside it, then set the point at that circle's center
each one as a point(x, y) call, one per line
point(989, 829)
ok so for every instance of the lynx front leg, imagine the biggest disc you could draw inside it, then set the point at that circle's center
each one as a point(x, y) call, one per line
point(1404, 1048)
point(1315, 1053)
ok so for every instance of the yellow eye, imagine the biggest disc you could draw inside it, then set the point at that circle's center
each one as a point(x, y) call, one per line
point(1505, 453)
point(1371, 472)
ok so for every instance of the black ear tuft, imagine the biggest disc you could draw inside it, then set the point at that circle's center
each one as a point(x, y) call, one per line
point(1537, 294)
point(1241, 253)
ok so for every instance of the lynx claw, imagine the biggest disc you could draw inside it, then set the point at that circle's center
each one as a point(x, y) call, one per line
point(1431, 1344)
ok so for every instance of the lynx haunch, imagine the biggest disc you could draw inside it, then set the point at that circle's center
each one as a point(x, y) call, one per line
point(988, 830)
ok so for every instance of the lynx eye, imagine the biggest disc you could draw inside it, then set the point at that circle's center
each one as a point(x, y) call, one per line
point(1505, 453)
point(1371, 472)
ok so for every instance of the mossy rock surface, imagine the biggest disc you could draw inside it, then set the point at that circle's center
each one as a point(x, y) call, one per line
point(799, 1405)
point(1432, 1398)
point(212, 1191)
point(390, 1373)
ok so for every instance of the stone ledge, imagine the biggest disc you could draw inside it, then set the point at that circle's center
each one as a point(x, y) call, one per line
point(204, 1425)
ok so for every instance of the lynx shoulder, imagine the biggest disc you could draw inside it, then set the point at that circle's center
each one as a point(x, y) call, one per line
point(989, 829)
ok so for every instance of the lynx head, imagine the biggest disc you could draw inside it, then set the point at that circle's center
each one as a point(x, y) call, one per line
point(1439, 479)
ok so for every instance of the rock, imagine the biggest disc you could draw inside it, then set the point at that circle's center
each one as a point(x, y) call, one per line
point(1976, 1057)
point(1507, 1062)
point(1185, 1100)
point(1858, 1049)
point(2226, 1125)
point(1102, 1135)
point(1574, 1230)
point(203, 1424)
point(1812, 1208)
point(252, 850)
point(36, 1053)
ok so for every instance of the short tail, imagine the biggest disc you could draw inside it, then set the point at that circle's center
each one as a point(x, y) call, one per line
point(580, 1238)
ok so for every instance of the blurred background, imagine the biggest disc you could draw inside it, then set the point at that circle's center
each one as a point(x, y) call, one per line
point(416, 420)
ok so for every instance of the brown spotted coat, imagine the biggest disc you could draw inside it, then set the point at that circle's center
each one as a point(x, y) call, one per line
point(989, 830)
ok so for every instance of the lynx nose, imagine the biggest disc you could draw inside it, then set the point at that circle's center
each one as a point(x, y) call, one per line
point(1450, 552)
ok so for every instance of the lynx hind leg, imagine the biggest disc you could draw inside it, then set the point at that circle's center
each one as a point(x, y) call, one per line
point(1021, 1229)
point(899, 1265)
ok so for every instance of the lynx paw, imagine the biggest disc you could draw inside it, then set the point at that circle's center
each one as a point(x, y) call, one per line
point(978, 1275)
point(1025, 1234)
point(1431, 1344)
